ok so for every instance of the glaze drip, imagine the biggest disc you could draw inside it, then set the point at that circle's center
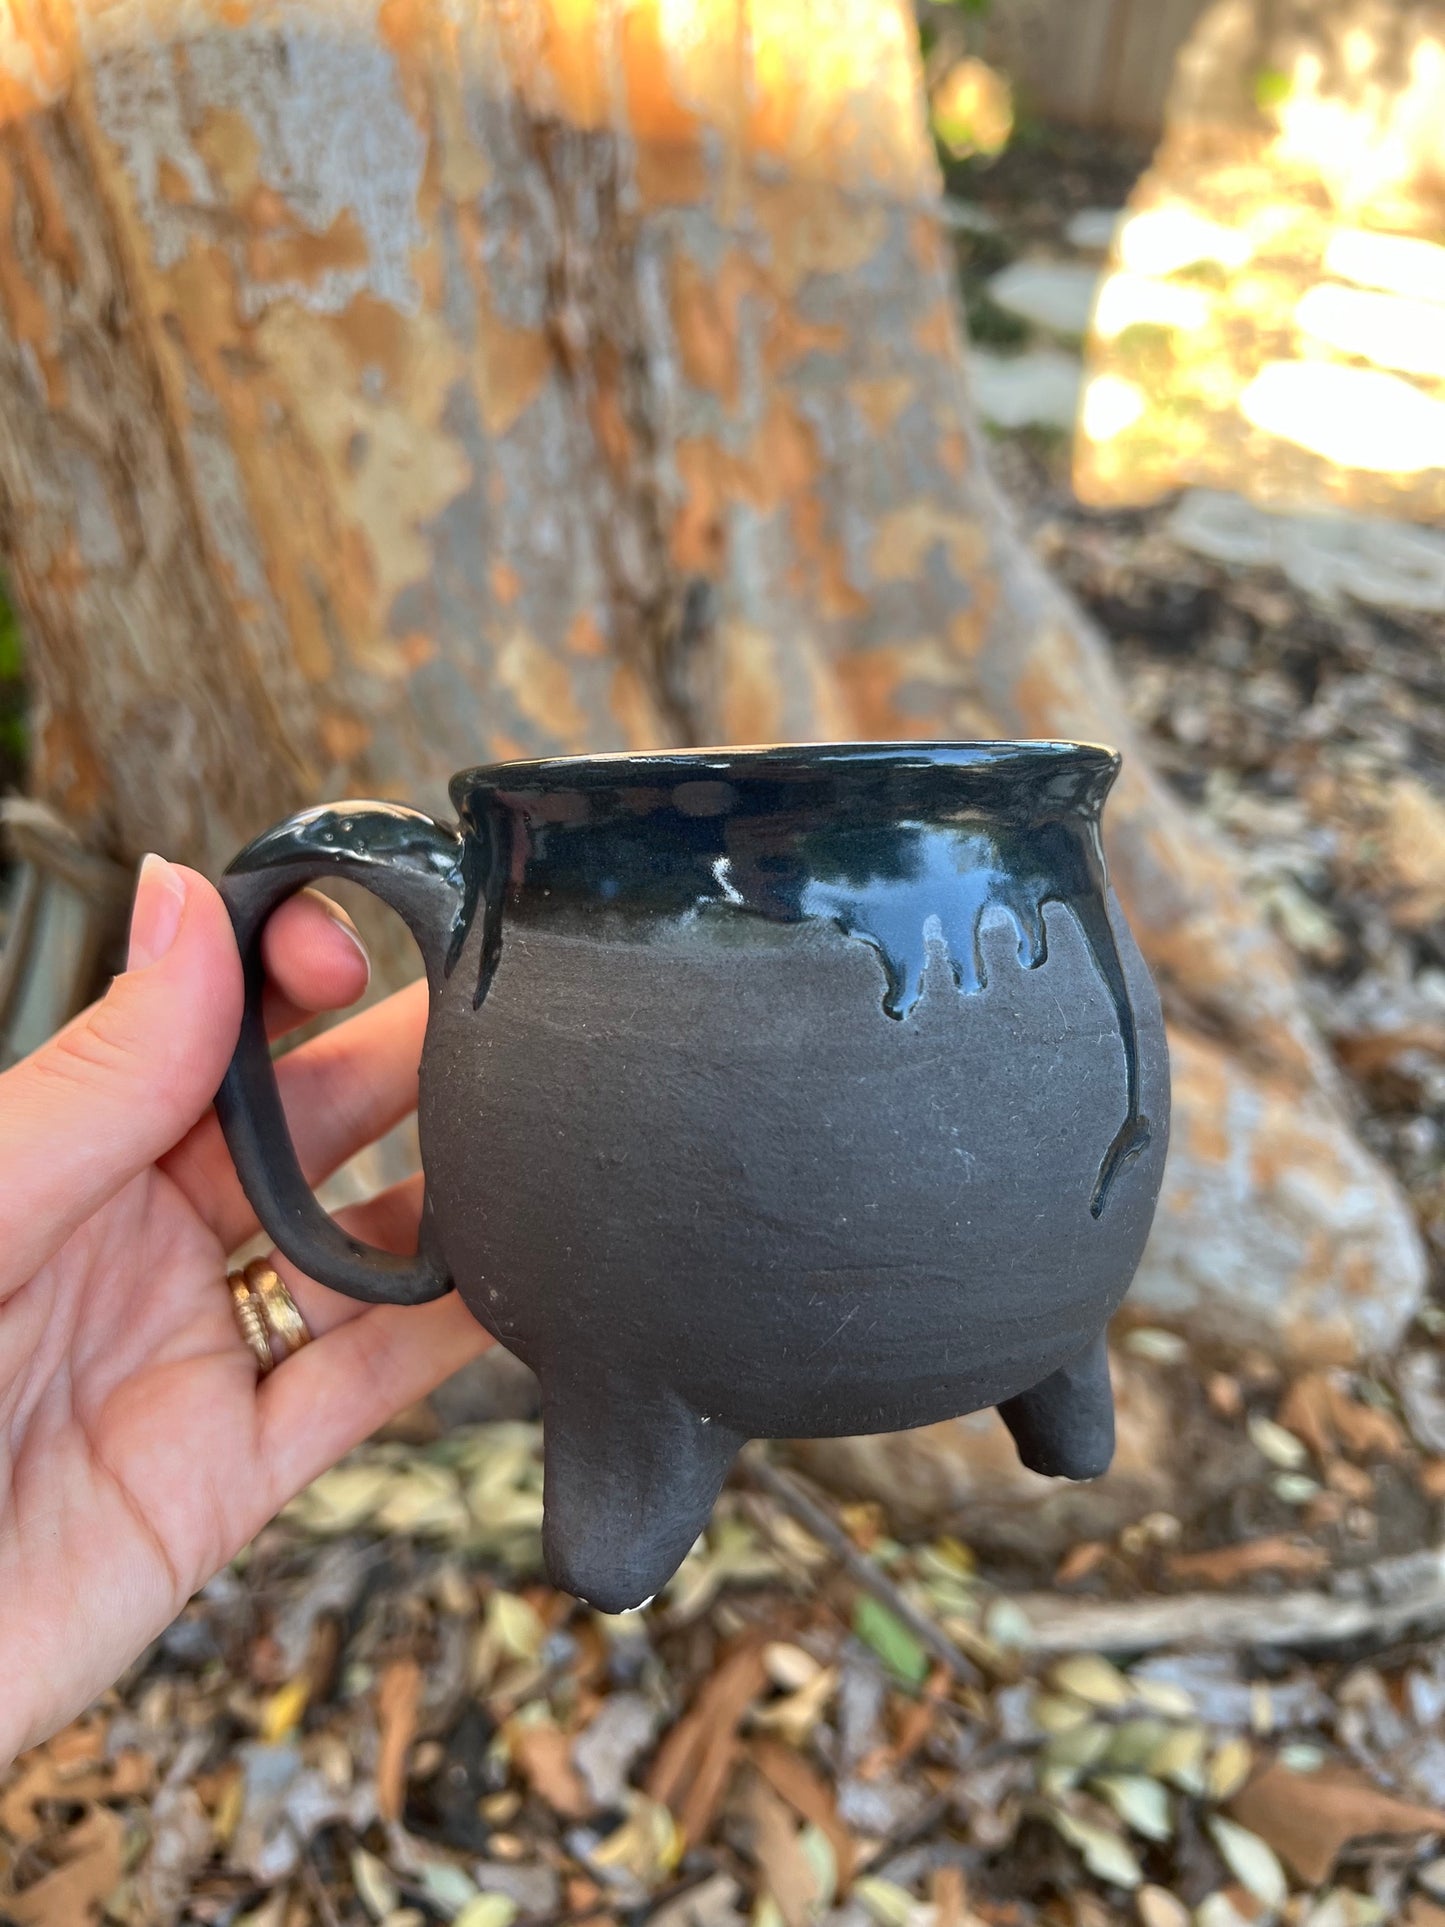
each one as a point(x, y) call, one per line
point(956, 881)
point(887, 846)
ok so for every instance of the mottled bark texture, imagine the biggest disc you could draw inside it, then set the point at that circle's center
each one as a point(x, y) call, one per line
point(384, 387)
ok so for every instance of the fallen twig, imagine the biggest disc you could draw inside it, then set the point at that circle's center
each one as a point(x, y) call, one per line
point(1387, 1600)
point(867, 1572)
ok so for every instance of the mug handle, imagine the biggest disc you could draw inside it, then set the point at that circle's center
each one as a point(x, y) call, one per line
point(414, 864)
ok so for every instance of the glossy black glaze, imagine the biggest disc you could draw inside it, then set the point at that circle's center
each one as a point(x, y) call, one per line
point(878, 840)
point(765, 1093)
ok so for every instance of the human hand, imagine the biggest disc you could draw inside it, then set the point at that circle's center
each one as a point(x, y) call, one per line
point(139, 1451)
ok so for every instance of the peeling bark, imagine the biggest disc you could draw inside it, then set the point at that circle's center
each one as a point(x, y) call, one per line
point(390, 386)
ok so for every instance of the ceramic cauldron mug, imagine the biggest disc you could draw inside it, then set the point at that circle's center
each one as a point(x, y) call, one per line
point(766, 1092)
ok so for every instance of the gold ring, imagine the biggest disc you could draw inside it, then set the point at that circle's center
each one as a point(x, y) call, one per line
point(252, 1324)
point(268, 1316)
point(286, 1328)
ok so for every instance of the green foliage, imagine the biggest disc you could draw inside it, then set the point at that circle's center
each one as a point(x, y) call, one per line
point(10, 654)
point(1271, 87)
point(992, 326)
point(900, 1652)
point(13, 736)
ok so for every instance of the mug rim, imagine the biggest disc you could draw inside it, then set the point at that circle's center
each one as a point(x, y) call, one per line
point(610, 769)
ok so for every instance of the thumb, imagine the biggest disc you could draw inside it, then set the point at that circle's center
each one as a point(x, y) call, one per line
point(128, 1078)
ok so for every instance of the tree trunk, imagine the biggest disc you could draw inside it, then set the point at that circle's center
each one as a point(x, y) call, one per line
point(389, 387)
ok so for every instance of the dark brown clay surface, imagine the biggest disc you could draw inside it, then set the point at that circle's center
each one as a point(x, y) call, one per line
point(764, 1093)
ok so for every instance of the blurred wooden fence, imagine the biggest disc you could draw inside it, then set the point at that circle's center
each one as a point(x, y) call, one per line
point(1093, 63)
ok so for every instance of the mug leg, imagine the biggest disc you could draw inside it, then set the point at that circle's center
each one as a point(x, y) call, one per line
point(630, 1476)
point(1064, 1426)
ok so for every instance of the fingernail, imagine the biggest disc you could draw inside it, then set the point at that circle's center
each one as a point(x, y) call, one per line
point(160, 898)
point(344, 924)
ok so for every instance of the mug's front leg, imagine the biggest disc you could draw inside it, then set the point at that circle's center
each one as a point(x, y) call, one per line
point(630, 1476)
point(1064, 1426)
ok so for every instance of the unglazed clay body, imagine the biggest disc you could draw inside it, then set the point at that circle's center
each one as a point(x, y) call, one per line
point(772, 1093)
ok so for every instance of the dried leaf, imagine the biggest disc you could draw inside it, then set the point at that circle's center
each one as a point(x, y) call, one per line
point(1164, 1696)
point(1142, 1804)
point(612, 1743)
point(1154, 1343)
point(895, 1645)
point(949, 1894)
point(1279, 1446)
point(427, 1501)
point(797, 1715)
point(1229, 1769)
point(1179, 1759)
point(1366, 1431)
point(1080, 1747)
point(691, 1769)
point(1229, 1564)
point(515, 1626)
point(1053, 1713)
point(343, 1499)
point(818, 1852)
point(711, 1903)
point(181, 1842)
point(1309, 1819)
point(1134, 1743)
point(1305, 1410)
point(889, 1904)
point(487, 1910)
point(1157, 1908)
point(448, 1886)
point(283, 1712)
point(789, 1667)
point(1105, 1855)
point(72, 1769)
point(543, 1755)
point(374, 1884)
point(1090, 1677)
point(75, 1893)
point(810, 1796)
point(1412, 852)
point(648, 1844)
point(1081, 1560)
point(788, 1874)
point(1007, 1624)
point(1252, 1862)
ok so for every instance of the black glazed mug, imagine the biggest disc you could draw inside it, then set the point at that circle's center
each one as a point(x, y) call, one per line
point(766, 1092)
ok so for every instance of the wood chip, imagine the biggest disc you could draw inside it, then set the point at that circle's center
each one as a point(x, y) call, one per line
point(397, 1693)
point(1305, 1411)
point(1309, 1818)
point(1229, 1564)
point(1081, 1560)
point(949, 1894)
point(1366, 1431)
point(543, 1755)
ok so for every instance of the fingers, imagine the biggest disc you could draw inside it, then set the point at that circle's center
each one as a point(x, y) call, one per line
point(341, 1092)
point(337, 1391)
point(127, 1079)
point(314, 961)
point(388, 1220)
